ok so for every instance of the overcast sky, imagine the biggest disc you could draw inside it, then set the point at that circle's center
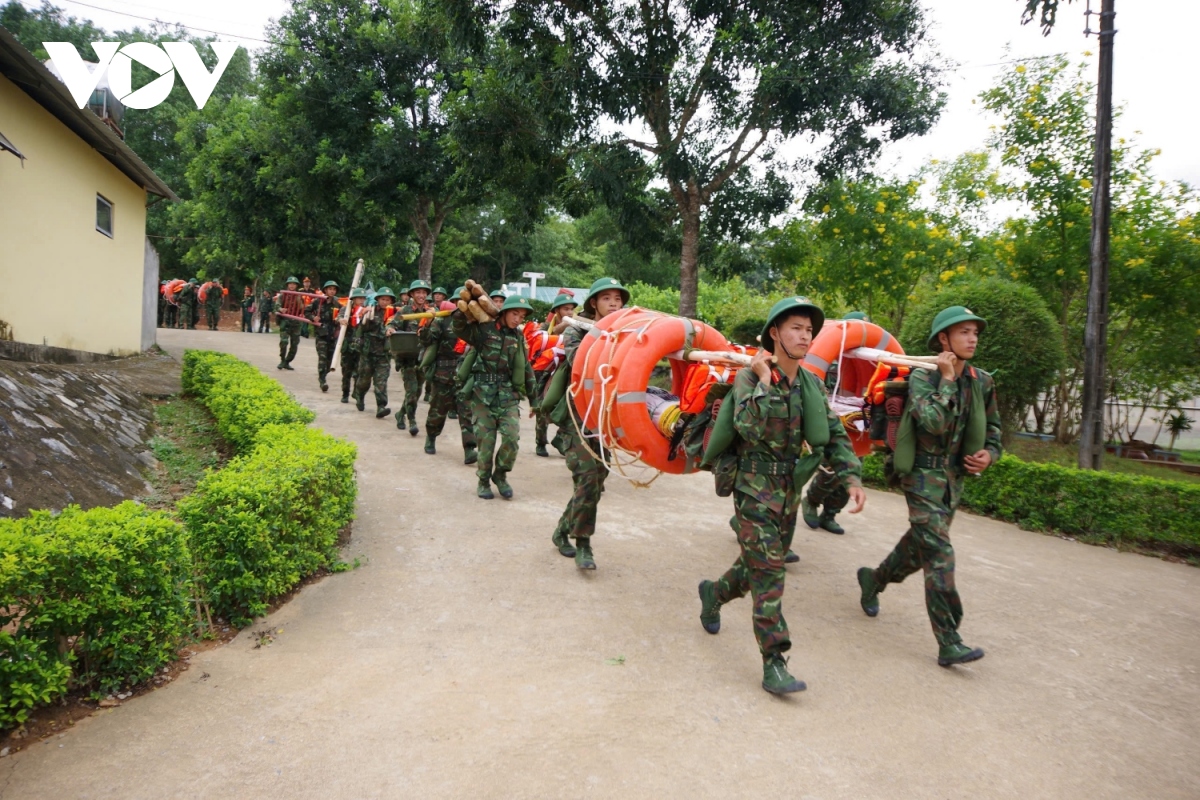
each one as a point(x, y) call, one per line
point(1155, 63)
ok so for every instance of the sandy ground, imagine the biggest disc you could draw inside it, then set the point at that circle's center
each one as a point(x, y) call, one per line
point(468, 659)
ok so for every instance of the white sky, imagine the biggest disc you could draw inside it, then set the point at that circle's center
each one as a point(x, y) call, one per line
point(1155, 65)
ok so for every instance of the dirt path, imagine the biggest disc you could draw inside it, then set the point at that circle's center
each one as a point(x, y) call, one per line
point(469, 659)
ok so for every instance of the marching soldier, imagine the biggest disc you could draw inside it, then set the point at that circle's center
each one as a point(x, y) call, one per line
point(771, 409)
point(578, 520)
point(324, 317)
point(171, 317)
point(212, 304)
point(187, 304)
point(545, 359)
point(162, 303)
point(248, 311)
point(289, 329)
point(826, 490)
point(498, 378)
point(266, 305)
point(350, 343)
point(409, 367)
point(373, 366)
point(950, 427)
point(444, 393)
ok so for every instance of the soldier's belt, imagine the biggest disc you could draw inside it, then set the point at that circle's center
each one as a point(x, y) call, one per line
point(490, 377)
point(927, 461)
point(767, 467)
point(448, 362)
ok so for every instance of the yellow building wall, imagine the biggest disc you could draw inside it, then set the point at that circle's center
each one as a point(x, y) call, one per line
point(62, 282)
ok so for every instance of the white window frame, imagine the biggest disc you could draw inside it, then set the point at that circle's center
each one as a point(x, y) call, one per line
point(111, 216)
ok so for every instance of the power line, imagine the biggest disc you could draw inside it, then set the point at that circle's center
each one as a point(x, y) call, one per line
point(180, 24)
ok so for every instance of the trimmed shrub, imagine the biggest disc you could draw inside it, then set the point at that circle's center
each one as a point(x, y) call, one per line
point(1102, 506)
point(99, 596)
point(241, 399)
point(270, 517)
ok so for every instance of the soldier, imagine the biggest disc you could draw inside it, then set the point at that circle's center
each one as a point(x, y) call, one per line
point(188, 301)
point(373, 366)
point(212, 304)
point(409, 367)
point(350, 343)
point(825, 489)
point(248, 311)
point(578, 519)
point(171, 315)
point(289, 329)
point(162, 303)
point(498, 378)
point(445, 396)
point(954, 422)
point(306, 286)
point(771, 407)
point(439, 296)
point(324, 317)
point(544, 361)
point(266, 305)
point(436, 299)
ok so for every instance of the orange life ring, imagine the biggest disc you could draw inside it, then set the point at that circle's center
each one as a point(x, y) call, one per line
point(838, 336)
point(172, 288)
point(583, 387)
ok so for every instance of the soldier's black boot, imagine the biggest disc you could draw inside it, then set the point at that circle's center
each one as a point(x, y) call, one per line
point(870, 591)
point(791, 557)
point(470, 455)
point(710, 607)
point(485, 490)
point(583, 553)
point(345, 398)
point(777, 679)
point(452, 414)
point(412, 426)
point(563, 543)
point(502, 486)
point(430, 447)
point(540, 450)
point(829, 523)
point(559, 443)
point(359, 403)
point(809, 511)
point(957, 653)
point(382, 412)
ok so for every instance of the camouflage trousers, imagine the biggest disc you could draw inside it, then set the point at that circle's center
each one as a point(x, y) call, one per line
point(765, 537)
point(542, 420)
point(289, 340)
point(373, 368)
point(443, 398)
point(349, 365)
point(187, 315)
point(212, 316)
point(325, 348)
point(926, 546)
point(578, 519)
point(414, 380)
point(492, 422)
point(828, 490)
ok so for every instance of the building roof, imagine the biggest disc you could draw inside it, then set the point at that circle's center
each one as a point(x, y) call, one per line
point(19, 66)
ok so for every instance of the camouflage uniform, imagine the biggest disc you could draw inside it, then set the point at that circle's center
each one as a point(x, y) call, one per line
point(326, 334)
point(248, 314)
point(349, 360)
point(187, 306)
point(373, 365)
point(578, 519)
point(171, 315)
point(289, 337)
point(445, 394)
point(934, 488)
point(826, 488)
point(769, 420)
point(410, 368)
point(493, 396)
point(212, 306)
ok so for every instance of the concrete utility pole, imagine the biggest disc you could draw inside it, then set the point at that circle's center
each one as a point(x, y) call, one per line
point(1095, 337)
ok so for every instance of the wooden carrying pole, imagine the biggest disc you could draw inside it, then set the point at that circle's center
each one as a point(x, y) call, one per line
point(344, 319)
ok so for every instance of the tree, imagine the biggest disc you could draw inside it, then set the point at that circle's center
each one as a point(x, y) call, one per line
point(1044, 11)
point(1019, 347)
point(1178, 423)
point(706, 92)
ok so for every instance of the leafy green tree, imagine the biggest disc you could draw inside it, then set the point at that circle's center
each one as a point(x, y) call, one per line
point(704, 92)
point(1020, 347)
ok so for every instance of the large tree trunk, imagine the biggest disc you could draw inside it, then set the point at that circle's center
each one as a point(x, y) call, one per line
point(689, 267)
point(427, 232)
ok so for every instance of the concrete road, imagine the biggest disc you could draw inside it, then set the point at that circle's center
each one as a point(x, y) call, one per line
point(468, 659)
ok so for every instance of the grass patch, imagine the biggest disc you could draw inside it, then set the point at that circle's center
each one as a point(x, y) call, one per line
point(186, 444)
point(1189, 456)
point(1066, 455)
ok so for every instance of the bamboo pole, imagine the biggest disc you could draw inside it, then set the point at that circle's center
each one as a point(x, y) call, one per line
point(344, 319)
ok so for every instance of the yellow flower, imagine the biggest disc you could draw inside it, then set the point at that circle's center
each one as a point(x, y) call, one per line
point(1020, 68)
point(947, 275)
point(1058, 272)
point(825, 208)
point(961, 268)
point(1085, 183)
point(980, 193)
point(1014, 274)
point(1087, 53)
point(880, 228)
point(880, 207)
point(1070, 224)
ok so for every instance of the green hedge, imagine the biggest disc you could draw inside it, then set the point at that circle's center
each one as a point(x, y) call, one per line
point(270, 517)
point(95, 599)
point(241, 399)
point(1101, 506)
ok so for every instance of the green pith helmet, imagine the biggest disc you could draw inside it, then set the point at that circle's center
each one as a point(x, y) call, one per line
point(334, 284)
point(785, 306)
point(563, 300)
point(515, 303)
point(358, 292)
point(497, 293)
point(952, 316)
point(857, 315)
point(418, 284)
point(384, 291)
point(291, 279)
point(193, 281)
point(440, 290)
point(603, 285)
point(458, 292)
